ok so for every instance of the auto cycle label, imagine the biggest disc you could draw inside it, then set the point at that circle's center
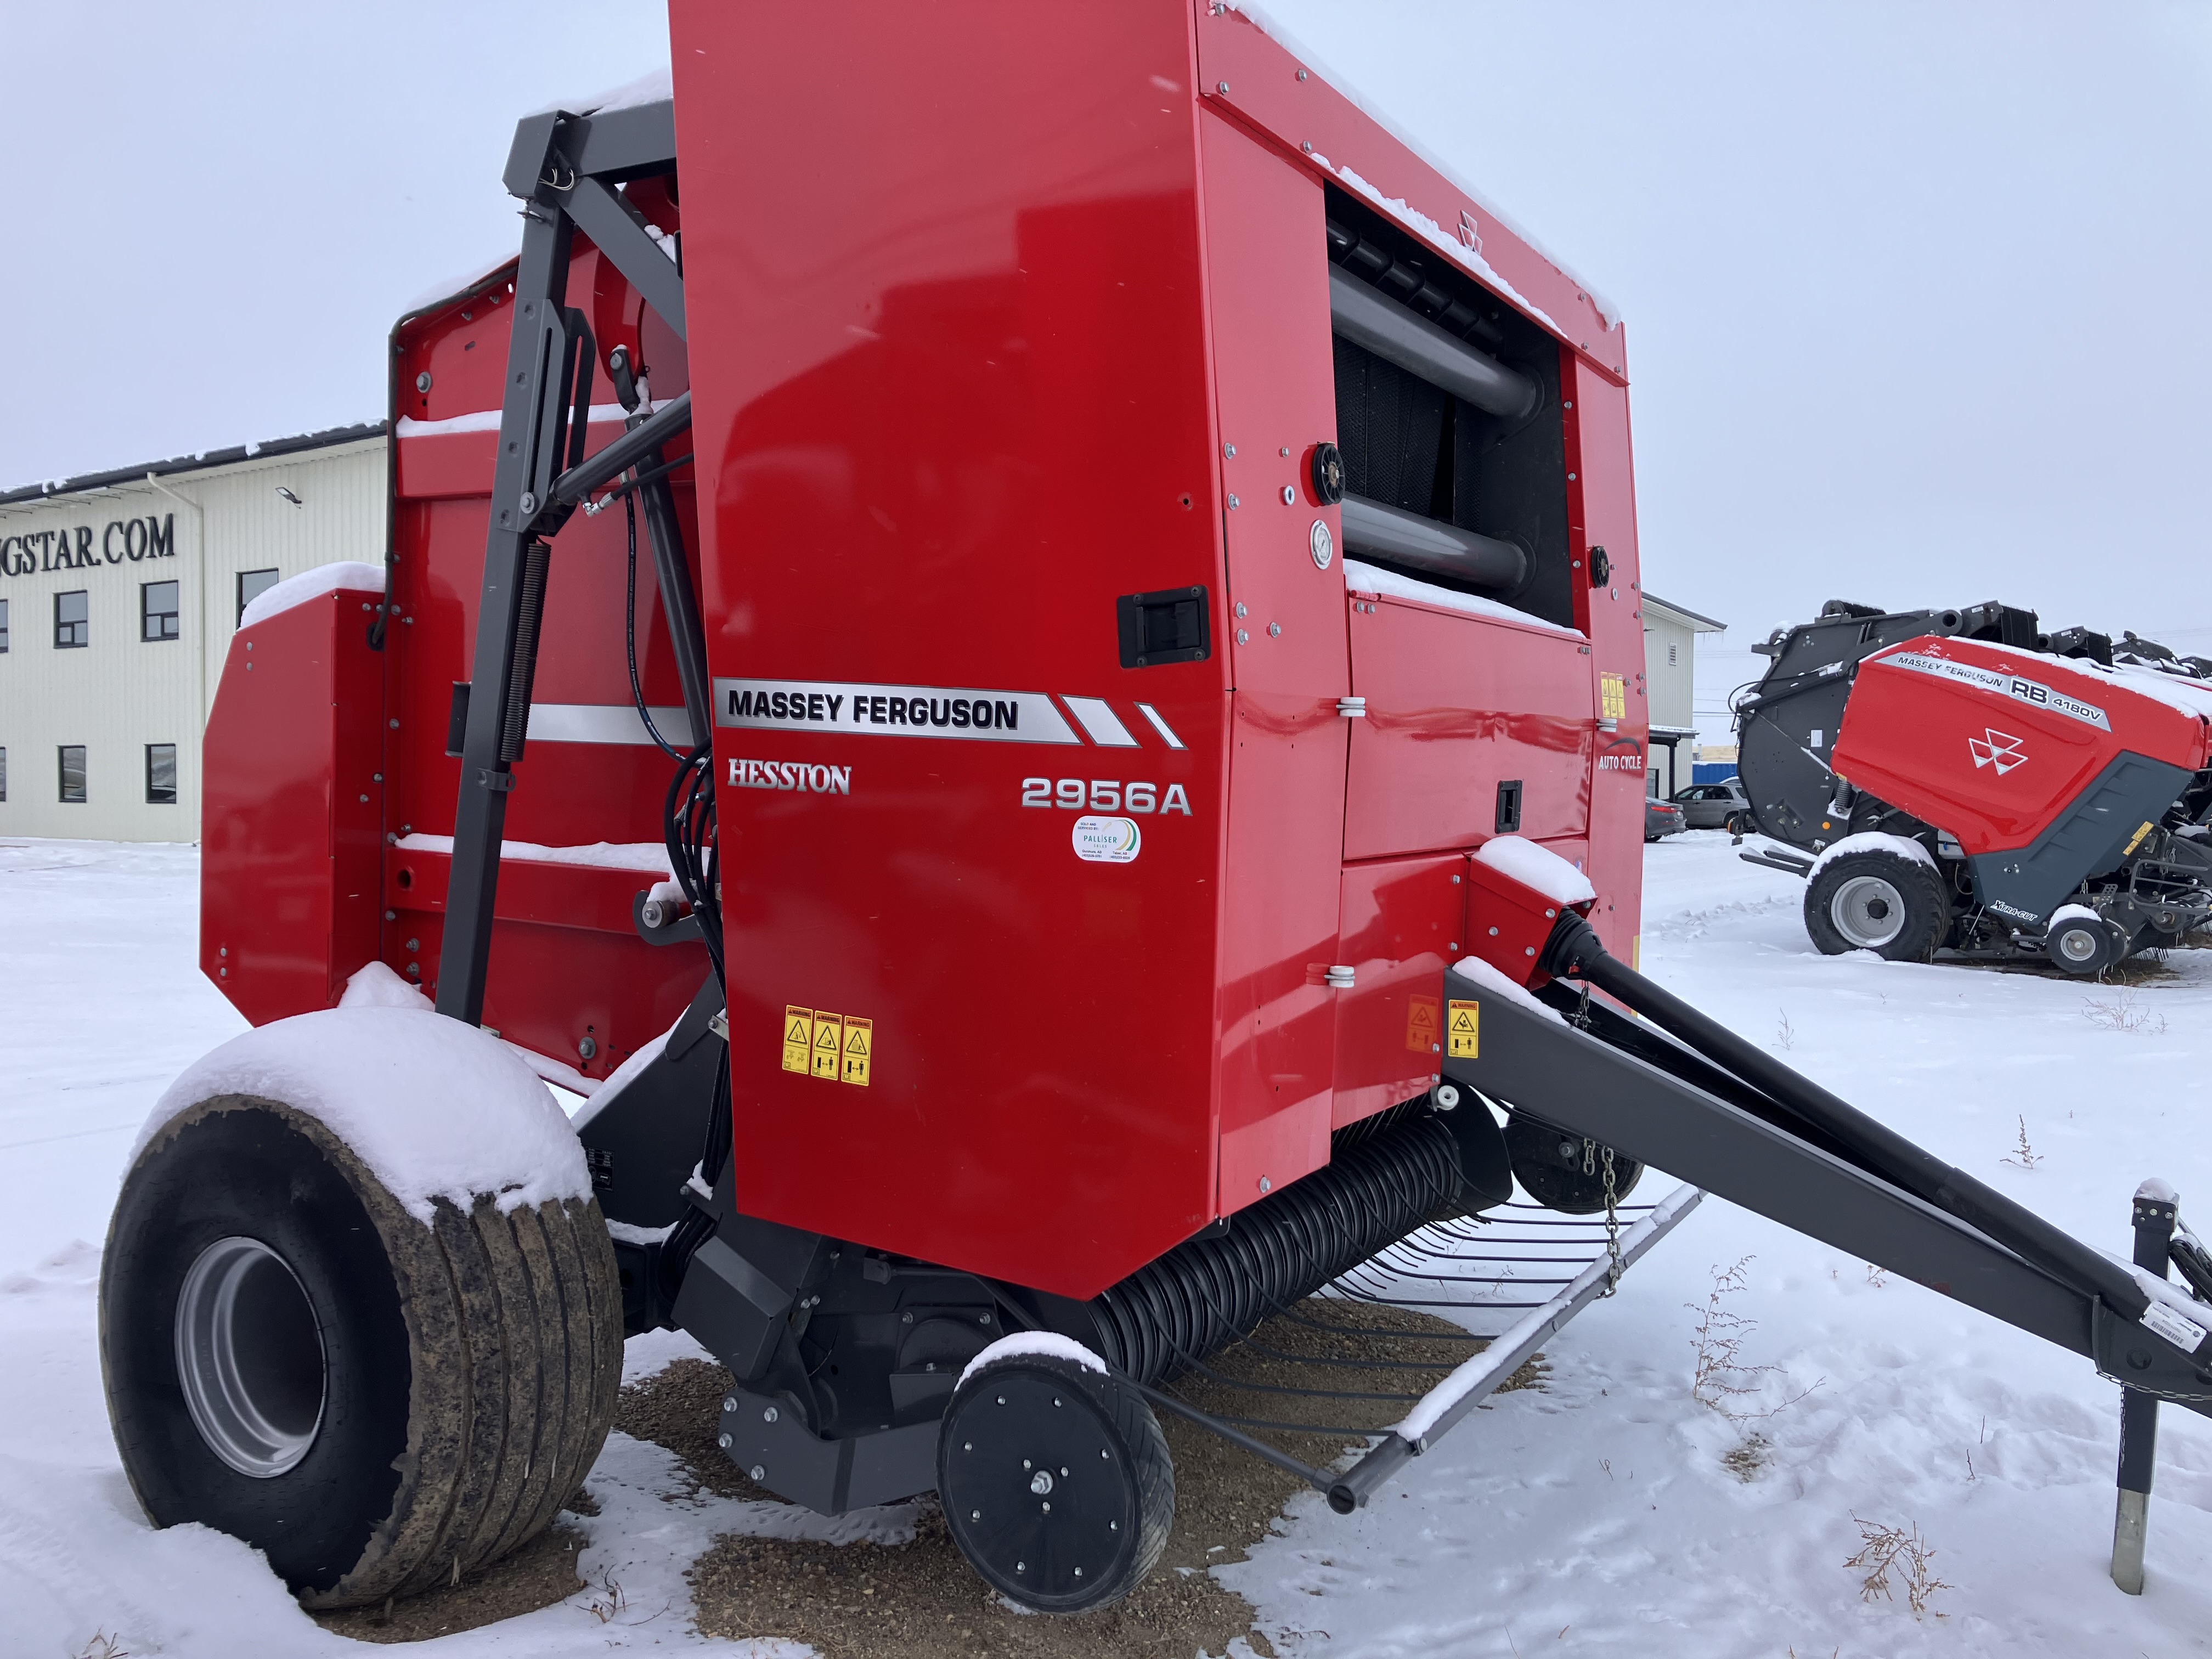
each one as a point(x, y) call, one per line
point(1107, 841)
point(2010, 685)
point(897, 711)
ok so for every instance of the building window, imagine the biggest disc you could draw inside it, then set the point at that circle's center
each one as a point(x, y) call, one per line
point(252, 584)
point(161, 774)
point(3, 775)
point(72, 624)
point(157, 610)
point(3, 624)
point(73, 774)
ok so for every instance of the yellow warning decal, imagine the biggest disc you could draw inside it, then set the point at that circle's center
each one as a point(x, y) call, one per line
point(2137, 840)
point(828, 1044)
point(1463, 1030)
point(798, 1039)
point(1613, 689)
point(1421, 1034)
point(859, 1045)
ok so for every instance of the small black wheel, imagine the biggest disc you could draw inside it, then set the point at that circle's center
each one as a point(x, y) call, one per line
point(1888, 903)
point(1054, 1476)
point(1550, 1161)
point(2085, 945)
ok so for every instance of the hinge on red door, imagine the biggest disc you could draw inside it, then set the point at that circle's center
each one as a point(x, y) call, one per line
point(1352, 708)
point(1340, 978)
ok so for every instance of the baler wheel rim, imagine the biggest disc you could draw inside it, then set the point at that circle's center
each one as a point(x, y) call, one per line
point(1868, 911)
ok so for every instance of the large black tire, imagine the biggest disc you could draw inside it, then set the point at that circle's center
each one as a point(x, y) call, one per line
point(1887, 903)
point(411, 1401)
point(1056, 1481)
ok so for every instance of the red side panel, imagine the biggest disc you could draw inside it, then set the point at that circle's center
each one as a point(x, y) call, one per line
point(1275, 387)
point(944, 275)
point(290, 829)
point(1993, 744)
point(1403, 922)
point(1244, 71)
point(1601, 512)
point(1457, 705)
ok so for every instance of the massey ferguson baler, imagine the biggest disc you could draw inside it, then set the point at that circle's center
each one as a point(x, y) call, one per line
point(1960, 781)
point(1014, 639)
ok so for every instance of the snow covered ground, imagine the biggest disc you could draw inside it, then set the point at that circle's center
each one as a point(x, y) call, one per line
point(1609, 1513)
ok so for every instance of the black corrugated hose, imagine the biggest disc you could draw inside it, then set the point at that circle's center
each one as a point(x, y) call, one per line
point(1209, 1291)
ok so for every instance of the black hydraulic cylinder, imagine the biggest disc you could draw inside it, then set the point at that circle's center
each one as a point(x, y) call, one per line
point(1574, 952)
point(626, 452)
point(1430, 544)
point(1382, 325)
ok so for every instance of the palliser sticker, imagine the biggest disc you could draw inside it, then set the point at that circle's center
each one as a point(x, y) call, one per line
point(1107, 841)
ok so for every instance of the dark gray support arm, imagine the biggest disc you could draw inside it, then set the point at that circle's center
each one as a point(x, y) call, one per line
point(531, 430)
point(616, 229)
point(1582, 1082)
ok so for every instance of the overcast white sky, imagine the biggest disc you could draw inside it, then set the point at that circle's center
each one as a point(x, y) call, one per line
point(1914, 292)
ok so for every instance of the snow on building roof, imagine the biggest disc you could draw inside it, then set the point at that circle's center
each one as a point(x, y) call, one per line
point(329, 437)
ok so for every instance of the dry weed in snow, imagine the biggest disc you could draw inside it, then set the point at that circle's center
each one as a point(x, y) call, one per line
point(2022, 1157)
point(2124, 1012)
point(1884, 1549)
point(1723, 1382)
point(103, 1646)
point(1785, 1034)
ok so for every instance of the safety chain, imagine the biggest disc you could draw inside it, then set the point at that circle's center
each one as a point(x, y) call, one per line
point(1612, 1229)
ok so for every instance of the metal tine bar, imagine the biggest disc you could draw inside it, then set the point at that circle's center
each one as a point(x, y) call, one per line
point(1279, 1309)
point(1299, 1428)
point(1454, 1279)
point(1235, 1437)
point(1359, 1330)
point(1318, 1394)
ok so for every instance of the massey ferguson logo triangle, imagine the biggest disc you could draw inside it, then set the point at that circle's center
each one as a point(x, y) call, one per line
point(1996, 749)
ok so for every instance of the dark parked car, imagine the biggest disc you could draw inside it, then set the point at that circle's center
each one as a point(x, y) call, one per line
point(1712, 805)
point(1661, 817)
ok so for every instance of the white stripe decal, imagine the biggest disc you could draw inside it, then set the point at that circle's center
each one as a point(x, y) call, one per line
point(1159, 724)
point(1100, 721)
point(891, 711)
point(605, 722)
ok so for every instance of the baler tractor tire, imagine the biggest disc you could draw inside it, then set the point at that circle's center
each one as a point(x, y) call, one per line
point(1054, 1478)
point(2084, 947)
point(293, 1358)
point(1881, 901)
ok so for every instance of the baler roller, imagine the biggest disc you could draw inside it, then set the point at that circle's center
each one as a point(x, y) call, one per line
point(1209, 1291)
point(1430, 544)
point(1380, 326)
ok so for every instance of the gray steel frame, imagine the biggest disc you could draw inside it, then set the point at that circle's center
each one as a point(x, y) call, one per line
point(563, 167)
point(1711, 1109)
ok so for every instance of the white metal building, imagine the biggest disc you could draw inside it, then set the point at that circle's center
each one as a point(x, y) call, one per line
point(118, 594)
point(1670, 652)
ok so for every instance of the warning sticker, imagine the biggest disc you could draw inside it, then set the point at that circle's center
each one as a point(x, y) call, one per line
point(798, 1039)
point(1422, 1032)
point(859, 1044)
point(1463, 1030)
point(1613, 690)
point(828, 1044)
